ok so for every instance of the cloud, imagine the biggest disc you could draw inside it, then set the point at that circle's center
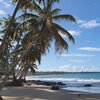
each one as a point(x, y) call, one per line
point(89, 49)
point(72, 32)
point(2, 12)
point(70, 68)
point(76, 60)
point(79, 60)
point(76, 55)
point(88, 24)
point(5, 3)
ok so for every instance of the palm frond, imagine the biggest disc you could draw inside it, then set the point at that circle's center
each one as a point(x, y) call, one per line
point(14, 1)
point(60, 44)
point(32, 68)
point(49, 5)
point(52, 1)
point(64, 31)
point(64, 17)
point(37, 8)
point(55, 12)
point(56, 1)
point(27, 16)
point(39, 1)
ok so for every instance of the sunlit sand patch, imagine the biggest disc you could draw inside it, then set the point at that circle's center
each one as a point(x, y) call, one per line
point(10, 98)
point(4, 89)
point(19, 98)
point(39, 99)
point(47, 90)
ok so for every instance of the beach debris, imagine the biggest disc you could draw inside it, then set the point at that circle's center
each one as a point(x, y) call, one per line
point(48, 83)
point(1, 98)
point(87, 85)
point(55, 87)
point(79, 95)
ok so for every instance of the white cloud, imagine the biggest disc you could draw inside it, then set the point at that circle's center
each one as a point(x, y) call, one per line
point(88, 24)
point(76, 55)
point(2, 12)
point(76, 60)
point(5, 3)
point(70, 68)
point(89, 49)
point(72, 32)
point(79, 21)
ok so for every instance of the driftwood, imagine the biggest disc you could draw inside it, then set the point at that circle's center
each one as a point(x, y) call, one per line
point(55, 87)
point(1, 98)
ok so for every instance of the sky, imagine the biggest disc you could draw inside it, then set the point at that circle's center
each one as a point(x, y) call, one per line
point(84, 55)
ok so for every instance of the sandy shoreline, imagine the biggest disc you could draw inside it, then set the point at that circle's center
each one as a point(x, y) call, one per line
point(39, 92)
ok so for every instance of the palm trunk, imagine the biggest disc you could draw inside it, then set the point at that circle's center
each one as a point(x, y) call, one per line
point(13, 65)
point(6, 36)
point(14, 76)
point(23, 73)
point(3, 45)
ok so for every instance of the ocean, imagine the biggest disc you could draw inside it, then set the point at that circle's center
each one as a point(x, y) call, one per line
point(74, 81)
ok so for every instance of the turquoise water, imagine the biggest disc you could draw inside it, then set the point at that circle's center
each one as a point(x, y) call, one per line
point(73, 76)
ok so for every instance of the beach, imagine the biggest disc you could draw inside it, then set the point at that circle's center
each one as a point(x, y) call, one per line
point(42, 92)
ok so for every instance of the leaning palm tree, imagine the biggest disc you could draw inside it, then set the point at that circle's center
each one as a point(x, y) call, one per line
point(29, 40)
point(20, 5)
point(42, 30)
point(28, 62)
point(13, 42)
point(6, 36)
point(14, 46)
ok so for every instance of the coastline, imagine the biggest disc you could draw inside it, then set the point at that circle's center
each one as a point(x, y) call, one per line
point(41, 92)
point(56, 73)
point(36, 89)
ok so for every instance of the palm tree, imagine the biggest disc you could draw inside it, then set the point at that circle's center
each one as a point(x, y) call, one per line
point(41, 30)
point(34, 52)
point(19, 5)
point(4, 42)
point(13, 42)
point(42, 26)
point(14, 46)
point(28, 62)
point(5, 38)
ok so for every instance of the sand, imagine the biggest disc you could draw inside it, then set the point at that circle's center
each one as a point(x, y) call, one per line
point(39, 92)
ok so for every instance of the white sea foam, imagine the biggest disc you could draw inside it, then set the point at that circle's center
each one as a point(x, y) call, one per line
point(64, 79)
point(70, 82)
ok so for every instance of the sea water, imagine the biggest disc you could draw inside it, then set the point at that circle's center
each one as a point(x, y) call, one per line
point(74, 81)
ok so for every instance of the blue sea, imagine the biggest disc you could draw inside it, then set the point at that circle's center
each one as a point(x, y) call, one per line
point(74, 81)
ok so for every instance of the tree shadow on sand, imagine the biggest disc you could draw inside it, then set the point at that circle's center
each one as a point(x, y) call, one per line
point(31, 93)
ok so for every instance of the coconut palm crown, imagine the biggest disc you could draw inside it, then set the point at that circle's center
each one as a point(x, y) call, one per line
point(42, 25)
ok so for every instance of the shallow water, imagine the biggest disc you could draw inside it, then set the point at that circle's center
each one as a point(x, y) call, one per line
point(84, 89)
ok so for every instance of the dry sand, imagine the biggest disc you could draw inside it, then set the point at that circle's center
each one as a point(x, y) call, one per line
point(37, 92)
